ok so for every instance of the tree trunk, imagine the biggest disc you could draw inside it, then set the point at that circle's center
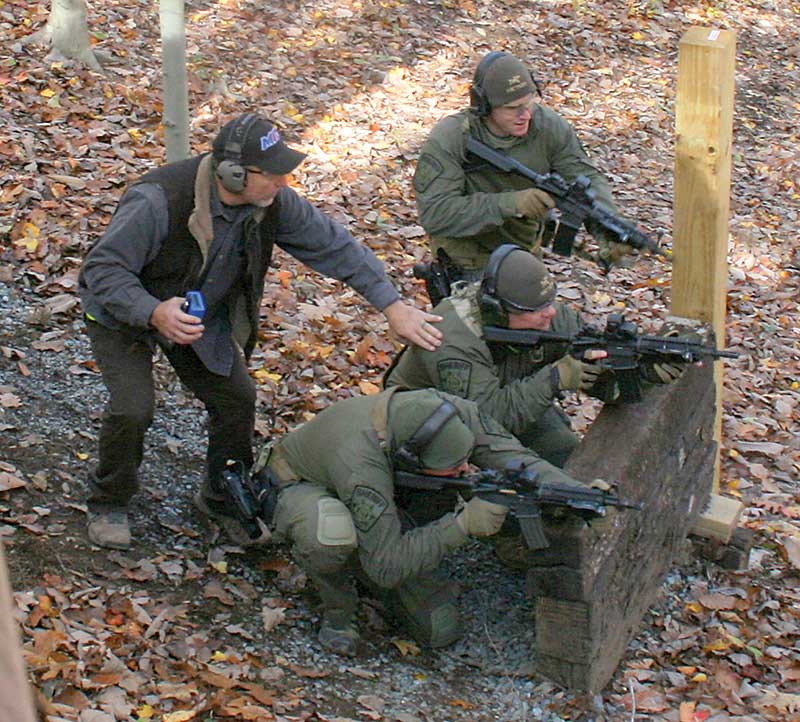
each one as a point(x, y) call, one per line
point(176, 92)
point(67, 33)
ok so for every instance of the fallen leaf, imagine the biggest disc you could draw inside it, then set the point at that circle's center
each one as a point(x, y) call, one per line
point(272, 617)
point(406, 647)
point(215, 590)
point(10, 481)
point(791, 547)
point(181, 716)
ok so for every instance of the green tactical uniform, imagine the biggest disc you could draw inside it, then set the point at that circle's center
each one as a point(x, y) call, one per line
point(516, 388)
point(336, 504)
point(467, 206)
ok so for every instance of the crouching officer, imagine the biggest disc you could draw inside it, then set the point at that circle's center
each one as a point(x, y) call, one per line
point(518, 386)
point(336, 504)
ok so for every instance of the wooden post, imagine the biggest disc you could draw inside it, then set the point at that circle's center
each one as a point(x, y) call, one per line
point(703, 120)
point(16, 704)
point(704, 126)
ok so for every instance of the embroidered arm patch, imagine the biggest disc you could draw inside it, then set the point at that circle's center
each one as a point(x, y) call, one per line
point(491, 426)
point(454, 376)
point(428, 170)
point(366, 506)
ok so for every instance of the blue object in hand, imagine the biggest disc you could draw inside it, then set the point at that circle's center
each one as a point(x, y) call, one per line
point(194, 304)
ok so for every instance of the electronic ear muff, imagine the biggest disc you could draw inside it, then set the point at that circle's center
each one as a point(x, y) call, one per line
point(408, 457)
point(493, 312)
point(478, 102)
point(230, 171)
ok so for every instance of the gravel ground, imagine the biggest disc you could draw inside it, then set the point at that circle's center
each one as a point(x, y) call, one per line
point(54, 429)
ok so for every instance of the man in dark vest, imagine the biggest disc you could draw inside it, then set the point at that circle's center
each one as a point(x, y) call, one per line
point(205, 224)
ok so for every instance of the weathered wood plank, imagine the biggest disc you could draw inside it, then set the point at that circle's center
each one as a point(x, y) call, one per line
point(593, 589)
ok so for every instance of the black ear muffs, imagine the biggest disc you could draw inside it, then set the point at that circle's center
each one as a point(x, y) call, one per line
point(478, 102)
point(408, 457)
point(230, 171)
point(493, 312)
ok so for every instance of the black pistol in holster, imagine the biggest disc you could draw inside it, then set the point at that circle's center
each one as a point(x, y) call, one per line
point(439, 276)
point(253, 495)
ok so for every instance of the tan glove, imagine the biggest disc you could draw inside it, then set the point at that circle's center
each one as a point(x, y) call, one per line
point(481, 518)
point(533, 203)
point(574, 375)
point(602, 524)
point(667, 373)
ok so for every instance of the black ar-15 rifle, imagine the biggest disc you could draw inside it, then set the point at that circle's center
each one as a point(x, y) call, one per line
point(518, 489)
point(575, 202)
point(625, 347)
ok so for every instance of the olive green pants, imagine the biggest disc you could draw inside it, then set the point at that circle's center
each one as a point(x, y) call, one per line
point(324, 542)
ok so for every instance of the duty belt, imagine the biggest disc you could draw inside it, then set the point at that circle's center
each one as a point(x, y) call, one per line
point(277, 467)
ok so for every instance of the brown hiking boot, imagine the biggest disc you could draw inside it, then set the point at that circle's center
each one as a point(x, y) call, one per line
point(108, 527)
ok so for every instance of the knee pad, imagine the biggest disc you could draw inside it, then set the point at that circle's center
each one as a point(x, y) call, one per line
point(334, 524)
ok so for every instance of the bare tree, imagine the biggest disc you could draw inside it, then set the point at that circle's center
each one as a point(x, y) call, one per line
point(67, 33)
point(176, 90)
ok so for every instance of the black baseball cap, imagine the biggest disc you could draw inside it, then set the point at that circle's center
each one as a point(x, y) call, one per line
point(252, 140)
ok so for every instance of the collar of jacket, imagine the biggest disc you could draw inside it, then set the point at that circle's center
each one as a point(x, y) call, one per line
point(380, 415)
point(201, 225)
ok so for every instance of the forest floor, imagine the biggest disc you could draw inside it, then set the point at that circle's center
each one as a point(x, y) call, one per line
point(186, 626)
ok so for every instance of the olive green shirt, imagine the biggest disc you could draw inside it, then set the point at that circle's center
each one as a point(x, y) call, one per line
point(347, 447)
point(515, 388)
point(468, 207)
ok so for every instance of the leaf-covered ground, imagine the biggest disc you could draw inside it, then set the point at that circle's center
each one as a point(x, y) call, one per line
point(184, 627)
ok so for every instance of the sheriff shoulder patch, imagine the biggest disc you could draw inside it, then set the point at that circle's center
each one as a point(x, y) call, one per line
point(366, 505)
point(454, 376)
point(428, 170)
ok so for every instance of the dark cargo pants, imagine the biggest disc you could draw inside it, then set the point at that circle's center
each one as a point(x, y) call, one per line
point(125, 361)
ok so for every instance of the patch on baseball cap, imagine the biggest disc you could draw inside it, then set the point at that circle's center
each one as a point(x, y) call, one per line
point(252, 140)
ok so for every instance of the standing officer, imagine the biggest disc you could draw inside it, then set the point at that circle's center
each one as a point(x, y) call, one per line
point(517, 386)
point(208, 223)
point(469, 207)
point(336, 503)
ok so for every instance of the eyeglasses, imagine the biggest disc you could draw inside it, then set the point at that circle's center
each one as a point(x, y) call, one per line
point(518, 110)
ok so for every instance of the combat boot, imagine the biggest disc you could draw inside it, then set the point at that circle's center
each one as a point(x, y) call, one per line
point(427, 606)
point(338, 632)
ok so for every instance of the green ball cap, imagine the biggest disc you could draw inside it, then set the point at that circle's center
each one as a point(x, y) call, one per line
point(408, 410)
point(524, 283)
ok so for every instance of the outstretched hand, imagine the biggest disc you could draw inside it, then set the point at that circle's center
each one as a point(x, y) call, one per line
point(174, 324)
point(413, 325)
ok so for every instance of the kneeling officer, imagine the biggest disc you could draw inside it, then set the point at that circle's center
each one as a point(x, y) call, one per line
point(336, 503)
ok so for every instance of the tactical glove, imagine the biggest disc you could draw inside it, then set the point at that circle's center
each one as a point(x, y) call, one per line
point(481, 518)
point(602, 524)
point(533, 203)
point(667, 373)
point(610, 252)
point(574, 375)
